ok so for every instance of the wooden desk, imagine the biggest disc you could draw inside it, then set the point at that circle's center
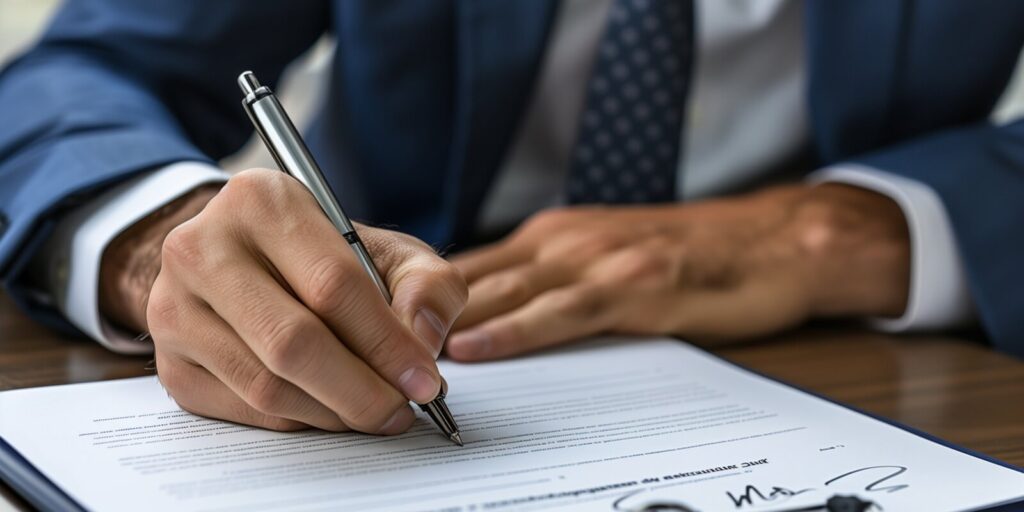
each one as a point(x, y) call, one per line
point(955, 389)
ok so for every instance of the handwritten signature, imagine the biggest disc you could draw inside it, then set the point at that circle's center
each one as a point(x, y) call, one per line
point(870, 478)
point(753, 495)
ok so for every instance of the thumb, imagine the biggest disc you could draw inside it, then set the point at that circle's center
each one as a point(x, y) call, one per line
point(428, 293)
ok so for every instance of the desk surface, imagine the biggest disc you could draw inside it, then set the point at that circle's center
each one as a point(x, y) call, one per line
point(952, 388)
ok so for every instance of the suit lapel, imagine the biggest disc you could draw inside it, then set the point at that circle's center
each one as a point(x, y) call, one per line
point(855, 48)
point(500, 45)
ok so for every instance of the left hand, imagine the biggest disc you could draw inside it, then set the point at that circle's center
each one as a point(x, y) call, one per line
point(709, 271)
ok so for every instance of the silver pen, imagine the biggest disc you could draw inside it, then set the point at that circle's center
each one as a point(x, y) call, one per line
point(292, 156)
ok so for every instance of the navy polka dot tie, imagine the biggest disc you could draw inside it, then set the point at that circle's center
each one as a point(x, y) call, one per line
point(627, 149)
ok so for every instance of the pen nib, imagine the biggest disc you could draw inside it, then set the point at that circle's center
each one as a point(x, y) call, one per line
point(456, 438)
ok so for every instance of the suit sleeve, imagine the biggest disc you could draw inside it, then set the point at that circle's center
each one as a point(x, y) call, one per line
point(117, 87)
point(978, 172)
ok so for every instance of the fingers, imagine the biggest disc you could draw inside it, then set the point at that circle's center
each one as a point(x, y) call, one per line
point(231, 362)
point(428, 292)
point(553, 228)
point(665, 288)
point(331, 283)
point(477, 263)
point(553, 317)
point(289, 340)
point(262, 294)
point(293, 347)
point(505, 290)
point(197, 391)
point(312, 257)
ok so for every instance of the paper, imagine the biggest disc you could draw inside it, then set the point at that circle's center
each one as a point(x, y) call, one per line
point(605, 426)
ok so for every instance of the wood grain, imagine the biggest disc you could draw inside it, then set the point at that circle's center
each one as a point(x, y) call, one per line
point(955, 389)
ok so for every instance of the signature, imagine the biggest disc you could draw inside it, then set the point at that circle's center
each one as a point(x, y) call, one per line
point(876, 477)
point(752, 492)
point(893, 472)
point(870, 479)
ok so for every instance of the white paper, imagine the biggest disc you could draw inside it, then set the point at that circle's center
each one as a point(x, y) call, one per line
point(603, 426)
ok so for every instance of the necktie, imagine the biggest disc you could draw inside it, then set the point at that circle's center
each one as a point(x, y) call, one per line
point(627, 148)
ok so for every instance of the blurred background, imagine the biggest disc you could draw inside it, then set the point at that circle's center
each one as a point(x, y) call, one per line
point(21, 21)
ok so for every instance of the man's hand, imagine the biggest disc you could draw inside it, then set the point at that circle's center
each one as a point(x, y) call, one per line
point(711, 271)
point(261, 314)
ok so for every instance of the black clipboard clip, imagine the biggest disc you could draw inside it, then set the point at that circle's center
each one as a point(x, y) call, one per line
point(837, 503)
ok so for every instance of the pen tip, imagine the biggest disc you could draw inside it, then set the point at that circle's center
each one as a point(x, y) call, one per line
point(456, 438)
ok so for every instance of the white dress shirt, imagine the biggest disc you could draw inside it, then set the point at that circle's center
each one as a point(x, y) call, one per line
point(746, 114)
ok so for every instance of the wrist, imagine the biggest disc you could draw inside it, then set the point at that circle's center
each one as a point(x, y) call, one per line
point(857, 246)
point(131, 262)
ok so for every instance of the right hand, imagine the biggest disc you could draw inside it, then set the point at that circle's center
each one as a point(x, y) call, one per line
point(261, 314)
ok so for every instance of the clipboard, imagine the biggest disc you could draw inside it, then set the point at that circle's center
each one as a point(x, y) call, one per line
point(37, 489)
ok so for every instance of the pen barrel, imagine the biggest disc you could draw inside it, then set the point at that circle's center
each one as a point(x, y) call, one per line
point(364, 259)
point(292, 155)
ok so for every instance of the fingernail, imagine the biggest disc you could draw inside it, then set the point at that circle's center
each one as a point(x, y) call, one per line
point(419, 385)
point(430, 329)
point(470, 345)
point(398, 422)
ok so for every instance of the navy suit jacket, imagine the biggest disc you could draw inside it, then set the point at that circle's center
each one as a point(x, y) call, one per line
point(425, 97)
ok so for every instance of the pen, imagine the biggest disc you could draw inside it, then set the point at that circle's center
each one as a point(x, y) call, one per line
point(292, 156)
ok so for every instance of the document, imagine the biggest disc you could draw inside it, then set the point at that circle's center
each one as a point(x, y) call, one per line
point(609, 425)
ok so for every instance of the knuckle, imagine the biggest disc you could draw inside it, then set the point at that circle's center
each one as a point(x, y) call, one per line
point(282, 342)
point(264, 194)
point(437, 275)
point(453, 283)
point(560, 218)
point(163, 313)
point(184, 246)
point(266, 392)
point(327, 283)
point(596, 242)
point(580, 246)
point(820, 225)
point(432, 280)
point(642, 266)
point(548, 220)
point(256, 185)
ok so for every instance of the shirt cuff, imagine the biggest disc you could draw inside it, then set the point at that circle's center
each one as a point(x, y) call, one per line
point(76, 248)
point(939, 297)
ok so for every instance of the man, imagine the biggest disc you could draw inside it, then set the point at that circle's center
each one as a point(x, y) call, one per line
point(599, 122)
